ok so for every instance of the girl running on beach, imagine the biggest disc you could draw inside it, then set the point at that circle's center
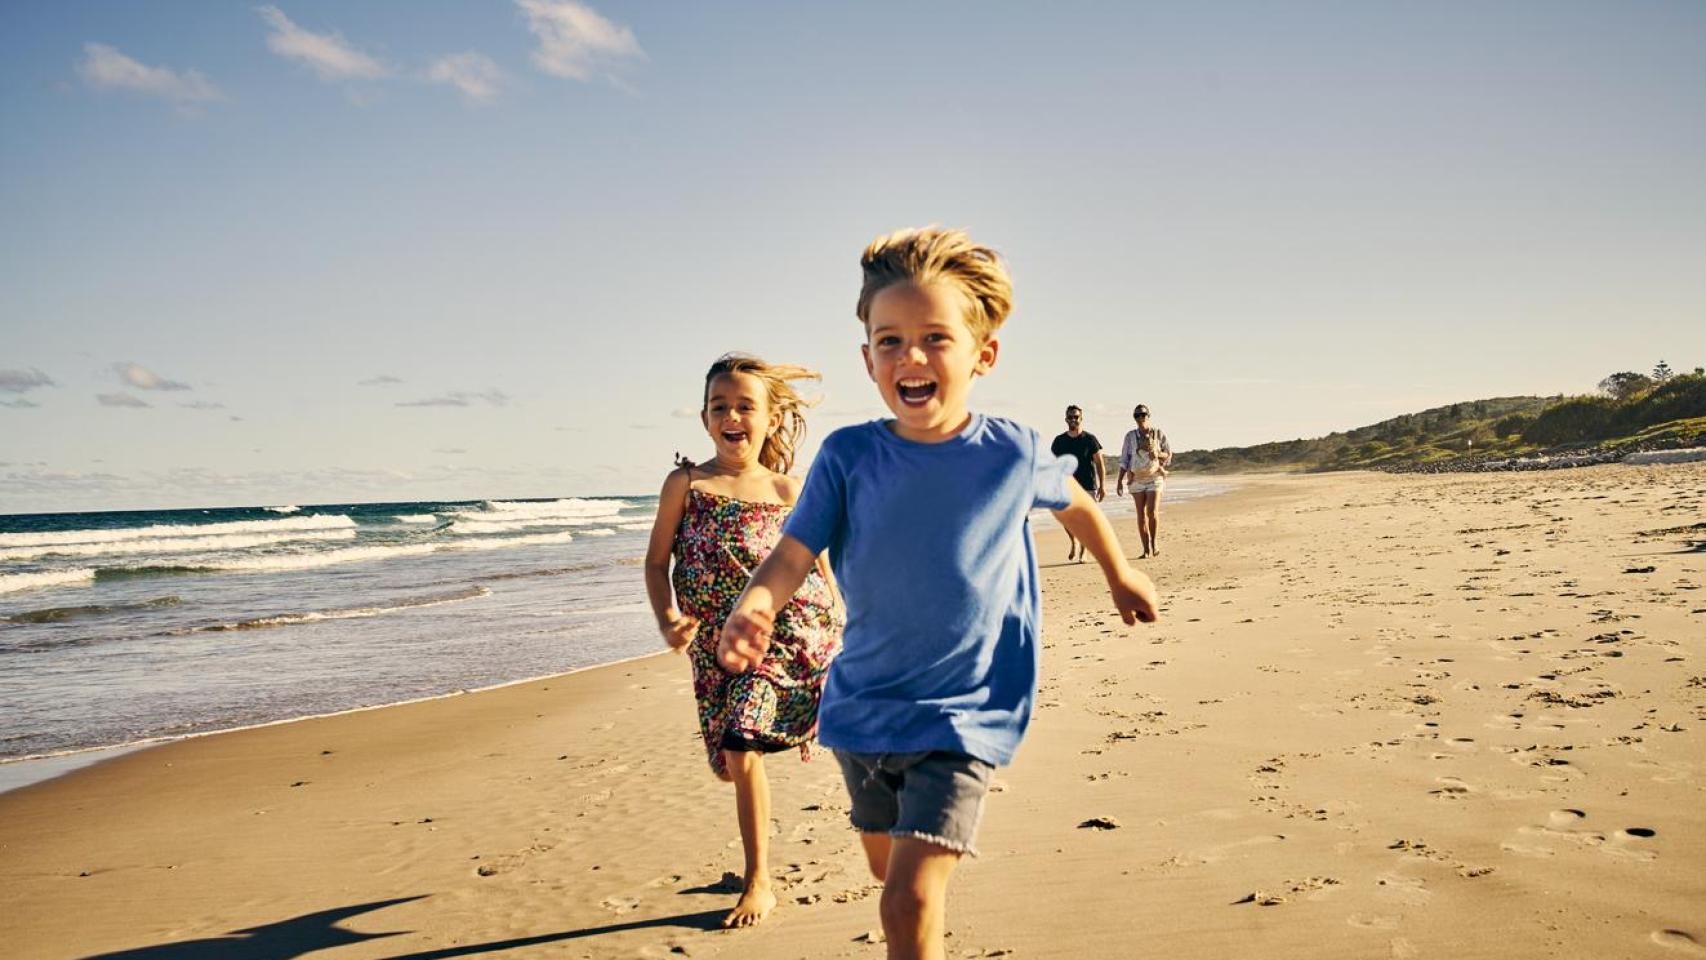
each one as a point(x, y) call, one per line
point(718, 520)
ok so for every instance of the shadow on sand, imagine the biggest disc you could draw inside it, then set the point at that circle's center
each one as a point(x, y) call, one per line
point(310, 932)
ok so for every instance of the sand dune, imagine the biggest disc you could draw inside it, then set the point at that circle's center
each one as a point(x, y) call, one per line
point(1446, 716)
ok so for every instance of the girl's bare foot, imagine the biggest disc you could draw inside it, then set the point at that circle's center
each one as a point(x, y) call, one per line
point(754, 905)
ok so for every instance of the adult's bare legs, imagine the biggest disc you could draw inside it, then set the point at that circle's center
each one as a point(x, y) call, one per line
point(1153, 506)
point(752, 810)
point(1143, 516)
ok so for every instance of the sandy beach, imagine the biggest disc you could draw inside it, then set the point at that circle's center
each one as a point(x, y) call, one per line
point(1385, 716)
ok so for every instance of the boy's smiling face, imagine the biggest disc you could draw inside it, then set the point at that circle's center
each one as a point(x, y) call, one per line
point(923, 357)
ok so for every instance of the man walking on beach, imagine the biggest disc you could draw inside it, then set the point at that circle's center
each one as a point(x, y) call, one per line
point(1091, 473)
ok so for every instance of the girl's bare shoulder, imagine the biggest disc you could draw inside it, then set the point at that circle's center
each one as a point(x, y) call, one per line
point(788, 488)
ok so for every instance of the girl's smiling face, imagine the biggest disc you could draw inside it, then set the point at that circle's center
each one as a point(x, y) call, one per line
point(738, 416)
point(923, 358)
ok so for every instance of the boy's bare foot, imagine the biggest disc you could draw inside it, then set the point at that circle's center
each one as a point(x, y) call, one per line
point(754, 905)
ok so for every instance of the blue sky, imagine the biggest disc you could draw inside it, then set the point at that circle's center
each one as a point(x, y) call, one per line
point(316, 251)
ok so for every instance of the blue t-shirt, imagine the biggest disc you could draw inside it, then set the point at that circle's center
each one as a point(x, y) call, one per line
point(930, 545)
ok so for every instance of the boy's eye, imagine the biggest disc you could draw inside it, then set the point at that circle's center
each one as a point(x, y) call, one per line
point(937, 337)
point(887, 341)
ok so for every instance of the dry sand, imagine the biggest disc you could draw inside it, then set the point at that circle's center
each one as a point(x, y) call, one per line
point(1386, 716)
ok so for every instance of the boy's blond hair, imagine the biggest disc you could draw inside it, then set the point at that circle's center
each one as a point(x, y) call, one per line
point(940, 255)
point(778, 451)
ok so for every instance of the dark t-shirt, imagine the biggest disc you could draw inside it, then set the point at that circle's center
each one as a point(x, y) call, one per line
point(1085, 447)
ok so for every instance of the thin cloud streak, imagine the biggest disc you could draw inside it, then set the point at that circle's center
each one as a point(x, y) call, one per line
point(474, 75)
point(120, 400)
point(575, 41)
point(103, 67)
point(23, 381)
point(143, 378)
point(328, 54)
point(460, 398)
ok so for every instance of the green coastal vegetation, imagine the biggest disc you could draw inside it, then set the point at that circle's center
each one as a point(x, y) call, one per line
point(1630, 411)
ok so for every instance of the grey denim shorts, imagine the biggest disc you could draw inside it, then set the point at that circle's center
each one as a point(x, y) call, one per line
point(934, 796)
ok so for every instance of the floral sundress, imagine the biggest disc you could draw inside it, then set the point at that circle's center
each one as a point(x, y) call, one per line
point(720, 542)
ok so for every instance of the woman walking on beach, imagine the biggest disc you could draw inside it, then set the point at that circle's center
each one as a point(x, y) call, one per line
point(718, 520)
point(1143, 458)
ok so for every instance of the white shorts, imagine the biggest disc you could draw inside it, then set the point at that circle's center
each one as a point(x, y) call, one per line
point(1145, 486)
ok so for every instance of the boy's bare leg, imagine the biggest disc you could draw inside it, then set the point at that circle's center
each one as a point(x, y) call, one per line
point(1071, 547)
point(915, 898)
point(752, 809)
point(877, 848)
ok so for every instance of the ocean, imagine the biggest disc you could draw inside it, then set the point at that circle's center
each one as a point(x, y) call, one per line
point(130, 627)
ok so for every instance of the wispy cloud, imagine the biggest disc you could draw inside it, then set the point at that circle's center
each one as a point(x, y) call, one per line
point(19, 404)
point(203, 405)
point(474, 74)
point(143, 378)
point(23, 381)
point(575, 41)
point(383, 380)
point(105, 68)
point(327, 54)
point(119, 400)
point(684, 413)
point(460, 398)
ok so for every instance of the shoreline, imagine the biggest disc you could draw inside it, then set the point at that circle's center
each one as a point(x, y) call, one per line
point(15, 772)
point(9, 783)
point(1383, 715)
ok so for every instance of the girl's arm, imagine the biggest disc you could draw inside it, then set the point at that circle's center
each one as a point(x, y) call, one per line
point(746, 634)
point(677, 628)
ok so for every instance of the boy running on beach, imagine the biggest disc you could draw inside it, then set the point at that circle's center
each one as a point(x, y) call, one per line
point(924, 518)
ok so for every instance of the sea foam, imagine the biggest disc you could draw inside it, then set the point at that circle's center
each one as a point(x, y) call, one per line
point(328, 521)
point(12, 582)
point(175, 545)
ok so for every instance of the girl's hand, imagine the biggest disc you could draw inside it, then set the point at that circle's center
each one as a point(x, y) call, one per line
point(679, 631)
point(1134, 597)
point(746, 637)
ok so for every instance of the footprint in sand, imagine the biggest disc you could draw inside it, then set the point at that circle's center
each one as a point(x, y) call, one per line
point(1629, 843)
point(1406, 890)
point(1216, 854)
point(1451, 788)
point(619, 905)
point(1372, 921)
point(1683, 943)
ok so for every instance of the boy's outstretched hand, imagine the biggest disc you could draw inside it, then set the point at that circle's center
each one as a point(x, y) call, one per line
point(1134, 596)
point(745, 638)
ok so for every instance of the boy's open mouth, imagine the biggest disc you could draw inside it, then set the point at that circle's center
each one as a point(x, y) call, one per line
point(915, 392)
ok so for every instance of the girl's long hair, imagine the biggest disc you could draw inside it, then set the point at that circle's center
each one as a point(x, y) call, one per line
point(778, 451)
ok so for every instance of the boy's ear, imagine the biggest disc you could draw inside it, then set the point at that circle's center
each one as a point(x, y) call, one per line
point(870, 370)
point(986, 355)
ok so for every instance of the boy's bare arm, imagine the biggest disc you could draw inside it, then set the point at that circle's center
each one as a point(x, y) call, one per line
point(1133, 593)
point(746, 634)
